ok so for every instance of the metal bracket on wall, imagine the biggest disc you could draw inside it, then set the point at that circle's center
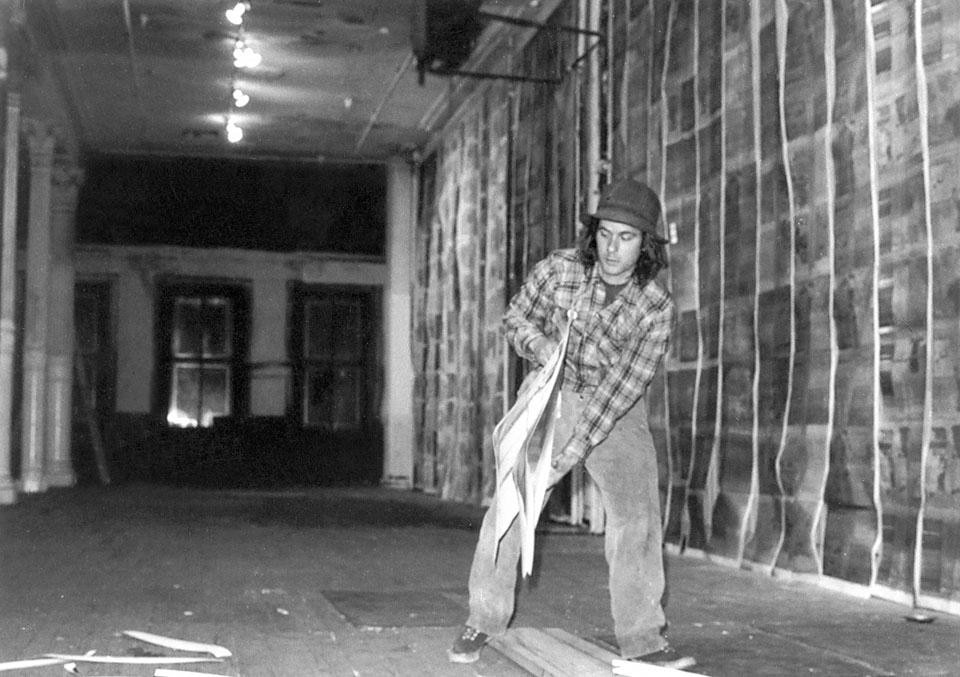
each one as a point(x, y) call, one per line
point(526, 23)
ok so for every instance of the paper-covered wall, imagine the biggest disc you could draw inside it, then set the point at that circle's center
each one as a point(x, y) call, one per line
point(806, 151)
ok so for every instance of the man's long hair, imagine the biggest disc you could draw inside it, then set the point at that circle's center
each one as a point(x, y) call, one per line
point(653, 255)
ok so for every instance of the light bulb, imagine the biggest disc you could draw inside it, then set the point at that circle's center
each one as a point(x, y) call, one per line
point(240, 99)
point(234, 133)
point(235, 13)
point(246, 57)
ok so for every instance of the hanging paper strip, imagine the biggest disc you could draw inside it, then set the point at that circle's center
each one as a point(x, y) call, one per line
point(680, 200)
point(665, 14)
point(463, 457)
point(849, 501)
point(706, 263)
point(776, 336)
point(730, 485)
point(493, 346)
point(646, 139)
point(418, 316)
point(710, 262)
point(876, 546)
point(940, 115)
point(901, 289)
point(447, 362)
point(802, 460)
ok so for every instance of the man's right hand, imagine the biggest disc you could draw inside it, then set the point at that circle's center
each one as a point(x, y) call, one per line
point(543, 348)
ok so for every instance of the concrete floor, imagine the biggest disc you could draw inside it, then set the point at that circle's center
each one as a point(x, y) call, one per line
point(373, 582)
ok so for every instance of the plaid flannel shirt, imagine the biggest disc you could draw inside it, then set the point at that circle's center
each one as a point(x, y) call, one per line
point(613, 351)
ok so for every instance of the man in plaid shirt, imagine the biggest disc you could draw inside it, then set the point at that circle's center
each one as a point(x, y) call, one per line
point(620, 333)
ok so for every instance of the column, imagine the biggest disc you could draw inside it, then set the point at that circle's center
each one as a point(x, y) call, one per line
point(41, 144)
point(60, 332)
point(269, 370)
point(8, 285)
point(398, 367)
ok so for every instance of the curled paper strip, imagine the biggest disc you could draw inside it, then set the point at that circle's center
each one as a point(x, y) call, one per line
point(130, 660)
point(636, 669)
point(30, 663)
point(178, 644)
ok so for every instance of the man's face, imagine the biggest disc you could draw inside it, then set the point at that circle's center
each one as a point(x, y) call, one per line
point(618, 249)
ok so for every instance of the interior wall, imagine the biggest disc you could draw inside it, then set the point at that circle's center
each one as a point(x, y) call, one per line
point(134, 272)
point(808, 418)
point(804, 152)
point(496, 195)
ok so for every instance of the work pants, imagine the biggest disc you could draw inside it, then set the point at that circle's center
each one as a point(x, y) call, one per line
point(624, 467)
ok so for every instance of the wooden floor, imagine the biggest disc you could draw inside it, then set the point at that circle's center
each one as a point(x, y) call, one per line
point(263, 574)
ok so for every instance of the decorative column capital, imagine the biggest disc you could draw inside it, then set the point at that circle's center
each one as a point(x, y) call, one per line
point(66, 179)
point(67, 175)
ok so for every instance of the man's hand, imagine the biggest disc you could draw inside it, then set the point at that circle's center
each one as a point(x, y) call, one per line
point(562, 464)
point(543, 348)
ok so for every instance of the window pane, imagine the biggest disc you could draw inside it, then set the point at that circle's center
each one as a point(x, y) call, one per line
point(217, 319)
point(334, 397)
point(198, 393)
point(318, 396)
point(86, 317)
point(215, 400)
point(348, 324)
point(184, 395)
point(318, 330)
point(348, 386)
point(187, 327)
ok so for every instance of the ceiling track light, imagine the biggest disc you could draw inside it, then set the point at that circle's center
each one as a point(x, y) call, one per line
point(234, 132)
point(245, 56)
point(240, 99)
point(235, 13)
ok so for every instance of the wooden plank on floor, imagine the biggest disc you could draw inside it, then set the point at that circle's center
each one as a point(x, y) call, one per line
point(595, 650)
point(550, 653)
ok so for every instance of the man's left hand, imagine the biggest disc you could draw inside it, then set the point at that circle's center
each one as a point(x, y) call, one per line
point(562, 464)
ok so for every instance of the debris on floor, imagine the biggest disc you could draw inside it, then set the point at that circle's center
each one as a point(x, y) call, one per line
point(635, 669)
point(179, 644)
point(131, 660)
point(217, 654)
point(29, 663)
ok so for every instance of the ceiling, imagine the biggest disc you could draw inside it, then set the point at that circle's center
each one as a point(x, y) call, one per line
point(337, 79)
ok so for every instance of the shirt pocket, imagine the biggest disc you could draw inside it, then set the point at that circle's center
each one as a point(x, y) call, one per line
point(613, 336)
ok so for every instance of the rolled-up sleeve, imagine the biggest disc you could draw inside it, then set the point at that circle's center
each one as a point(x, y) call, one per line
point(527, 317)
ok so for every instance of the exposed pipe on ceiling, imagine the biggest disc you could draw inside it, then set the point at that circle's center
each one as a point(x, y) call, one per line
point(404, 67)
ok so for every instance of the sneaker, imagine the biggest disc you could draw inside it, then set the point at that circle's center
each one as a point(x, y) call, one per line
point(667, 658)
point(466, 648)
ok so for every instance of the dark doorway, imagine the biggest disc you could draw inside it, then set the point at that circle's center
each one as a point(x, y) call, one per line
point(335, 379)
point(94, 389)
